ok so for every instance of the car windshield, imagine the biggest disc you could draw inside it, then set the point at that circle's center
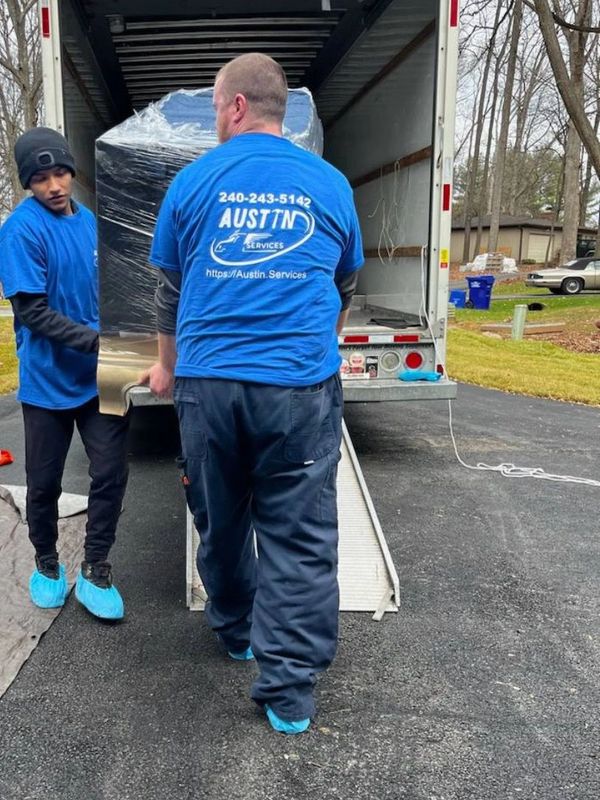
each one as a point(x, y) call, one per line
point(576, 264)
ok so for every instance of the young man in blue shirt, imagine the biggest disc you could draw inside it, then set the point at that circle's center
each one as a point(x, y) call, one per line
point(258, 247)
point(48, 269)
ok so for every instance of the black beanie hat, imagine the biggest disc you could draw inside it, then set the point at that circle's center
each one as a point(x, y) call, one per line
point(41, 148)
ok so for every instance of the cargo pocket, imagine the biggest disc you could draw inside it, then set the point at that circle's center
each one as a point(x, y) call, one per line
point(311, 434)
point(191, 424)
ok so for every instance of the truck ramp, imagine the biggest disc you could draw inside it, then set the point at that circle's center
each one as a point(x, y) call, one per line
point(367, 577)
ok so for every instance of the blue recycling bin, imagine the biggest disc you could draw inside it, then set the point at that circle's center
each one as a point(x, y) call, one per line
point(480, 291)
point(458, 297)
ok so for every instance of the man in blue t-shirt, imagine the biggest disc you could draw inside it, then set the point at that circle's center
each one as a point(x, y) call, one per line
point(258, 247)
point(48, 271)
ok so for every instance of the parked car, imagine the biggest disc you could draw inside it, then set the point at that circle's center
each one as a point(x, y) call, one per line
point(571, 278)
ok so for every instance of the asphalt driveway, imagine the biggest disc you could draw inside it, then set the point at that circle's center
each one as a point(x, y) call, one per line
point(485, 686)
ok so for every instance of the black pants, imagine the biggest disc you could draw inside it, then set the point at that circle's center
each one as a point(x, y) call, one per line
point(48, 436)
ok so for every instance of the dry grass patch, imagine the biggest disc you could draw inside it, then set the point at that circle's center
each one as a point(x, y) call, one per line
point(535, 368)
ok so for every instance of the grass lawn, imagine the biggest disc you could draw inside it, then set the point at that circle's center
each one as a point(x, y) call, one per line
point(516, 287)
point(8, 357)
point(536, 368)
point(532, 366)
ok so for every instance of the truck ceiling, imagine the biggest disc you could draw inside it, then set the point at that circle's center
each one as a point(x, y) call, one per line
point(144, 50)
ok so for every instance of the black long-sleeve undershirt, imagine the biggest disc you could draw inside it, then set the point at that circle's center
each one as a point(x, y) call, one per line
point(33, 311)
point(346, 286)
point(167, 300)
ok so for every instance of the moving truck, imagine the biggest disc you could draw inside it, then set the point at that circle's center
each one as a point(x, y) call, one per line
point(383, 77)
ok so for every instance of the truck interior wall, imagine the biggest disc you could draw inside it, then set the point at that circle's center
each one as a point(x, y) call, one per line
point(86, 101)
point(81, 129)
point(392, 121)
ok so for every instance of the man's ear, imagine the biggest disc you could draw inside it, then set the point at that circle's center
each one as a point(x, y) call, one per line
point(241, 107)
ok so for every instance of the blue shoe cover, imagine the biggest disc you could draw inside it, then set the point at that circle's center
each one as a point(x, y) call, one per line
point(281, 726)
point(419, 375)
point(102, 603)
point(246, 655)
point(47, 592)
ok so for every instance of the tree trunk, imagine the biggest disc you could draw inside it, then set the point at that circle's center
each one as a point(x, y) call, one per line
point(559, 194)
point(482, 196)
point(577, 60)
point(529, 83)
point(571, 191)
point(504, 126)
point(587, 181)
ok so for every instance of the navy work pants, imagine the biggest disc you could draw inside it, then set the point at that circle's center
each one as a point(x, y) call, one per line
point(264, 458)
point(48, 435)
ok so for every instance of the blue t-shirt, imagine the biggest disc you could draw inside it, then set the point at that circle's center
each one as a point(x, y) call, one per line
point(54, 254)
point(259, 228)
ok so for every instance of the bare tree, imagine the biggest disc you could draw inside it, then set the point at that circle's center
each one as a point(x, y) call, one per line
point(563, 80)
point(576, 41)
point(479, 124)
point(482, 194)
point(593, 110)
point(530, 63)
point(504, 125)
point(20, 88)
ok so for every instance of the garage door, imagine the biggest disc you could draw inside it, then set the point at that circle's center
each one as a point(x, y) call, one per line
point(537, 247)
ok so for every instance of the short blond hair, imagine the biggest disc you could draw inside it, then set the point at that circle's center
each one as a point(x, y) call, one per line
point(261, 80)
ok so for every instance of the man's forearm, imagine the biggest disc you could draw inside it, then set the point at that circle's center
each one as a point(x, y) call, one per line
point(346, 286)
point(167, 353)
point(342, 320)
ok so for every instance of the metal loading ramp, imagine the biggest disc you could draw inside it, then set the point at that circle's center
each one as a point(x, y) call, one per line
point(367, 577)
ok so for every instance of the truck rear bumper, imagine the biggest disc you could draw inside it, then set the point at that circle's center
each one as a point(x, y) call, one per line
point(380, 391)
point(396, 390)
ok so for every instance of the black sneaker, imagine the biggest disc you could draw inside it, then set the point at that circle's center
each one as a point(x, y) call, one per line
point(99, 573)
point(48, 566)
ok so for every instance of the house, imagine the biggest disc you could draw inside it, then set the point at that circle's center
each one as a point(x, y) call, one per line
point(520, 238)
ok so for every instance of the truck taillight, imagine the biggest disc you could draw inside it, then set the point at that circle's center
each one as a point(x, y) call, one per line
point(453, 13)
point(440, 369)
point(413, 360)
point(356, 339)
point(446, 197)
point(46, 19)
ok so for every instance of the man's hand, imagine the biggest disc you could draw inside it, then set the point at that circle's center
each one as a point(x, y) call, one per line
point(160, 381)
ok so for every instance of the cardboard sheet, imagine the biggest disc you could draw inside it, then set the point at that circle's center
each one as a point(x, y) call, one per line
point(21, 623)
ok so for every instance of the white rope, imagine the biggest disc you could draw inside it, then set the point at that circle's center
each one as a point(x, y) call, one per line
point(506, 470)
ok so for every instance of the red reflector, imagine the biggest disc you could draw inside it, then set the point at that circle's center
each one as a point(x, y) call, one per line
point(356, 339)
point(453, 13)
point(45, 22)
point(407, 337)
point(446, 197)
point(440, 369)
point(413, 360)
